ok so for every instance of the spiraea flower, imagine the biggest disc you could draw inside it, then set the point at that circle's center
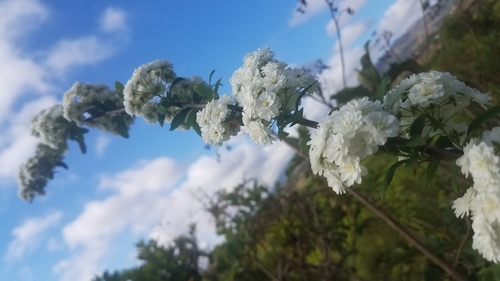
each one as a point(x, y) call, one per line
point(437, 95)
point(346, 137)
point(482, 200)
point(148, 81)
point(33, 174)
point(51, 127)
point(216, 127)
point(81, 99)
point(265, 87)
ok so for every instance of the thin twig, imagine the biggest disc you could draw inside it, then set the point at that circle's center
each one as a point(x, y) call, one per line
point(403, 231)
point(464, 240)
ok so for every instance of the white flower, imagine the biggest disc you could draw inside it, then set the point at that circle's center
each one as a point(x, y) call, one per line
point(364, 105)
point(51, 127)
point(486, 238)
point(347, 122)
point(422, 94)
point(382, 125)
point(462, 205)
point(350, 171)
point(215, 129)
point(259, 133)
point(266, 106)
point(335, 147)
point(147, 81)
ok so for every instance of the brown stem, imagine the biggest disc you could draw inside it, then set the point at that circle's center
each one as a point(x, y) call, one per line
point(464, 240)
point(401, 230)
point(266, 271)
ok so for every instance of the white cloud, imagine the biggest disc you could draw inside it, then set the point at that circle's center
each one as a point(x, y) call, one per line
point(29, 235)
point(350, 33)
point(101, 144)
point(312, 8)
point(16, 143)
point(400, 16)
point(31, 79)
point(19, 16)
point(149, 195)
point(113, 20)
point(78, 52)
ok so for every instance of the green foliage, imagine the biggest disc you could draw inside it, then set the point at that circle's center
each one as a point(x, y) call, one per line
point(470, 45)
point(179, 261)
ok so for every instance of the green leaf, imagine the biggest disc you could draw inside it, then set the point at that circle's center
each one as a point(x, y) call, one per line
point(82, 145)
point(415, 140)
point(161, 119)
point(121, 127)
point(443, 142)
point(191, 118)
point(119, 86)
point(418, 126)
point(389, 176)
point(62, 164)
point(177, 80)
point(203, 90)
point(349, 93)
point(179, 119)
point(476, 123)
point(303, 146)
point(196, 127)
point(382, 88)
point(304, 91)
point(216, 88)
point(210, 77)
point(431, 170)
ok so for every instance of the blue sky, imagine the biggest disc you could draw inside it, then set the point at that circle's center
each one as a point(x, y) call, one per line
point(123, 190)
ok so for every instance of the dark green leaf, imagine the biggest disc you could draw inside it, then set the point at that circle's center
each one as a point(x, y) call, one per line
point(122, 128)
point(418, 126)
point(82, 145)
point(431, 170)
point(216, 88)
point(62, 164)
point(349, 93)
point(304, 147)
point(304, 91)
point(389, 176)
point(476, 123)
point(396, 69)
point(443, 142)
point(210, 77)
point(179, 119)
point(119, 86)
point(382, 88)
point(191, 118)
point(161, 119)
point(203, 90)
point(415, 140)
point(177, 80)
point(196, 128)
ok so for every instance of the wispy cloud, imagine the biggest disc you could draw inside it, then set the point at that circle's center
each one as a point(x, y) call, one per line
point(23, 76)
point(101, 144)
point(150, 195)
point(113, 20)
point(29, 235)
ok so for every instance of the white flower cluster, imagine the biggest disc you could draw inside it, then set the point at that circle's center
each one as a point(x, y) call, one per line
point(348, 136)
point(264, 87)
point(148, 81)
point(33, 174)
point(215, 128)
point(83, 97)
point(482, 200)
point(438, 95)
point(51, 127)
